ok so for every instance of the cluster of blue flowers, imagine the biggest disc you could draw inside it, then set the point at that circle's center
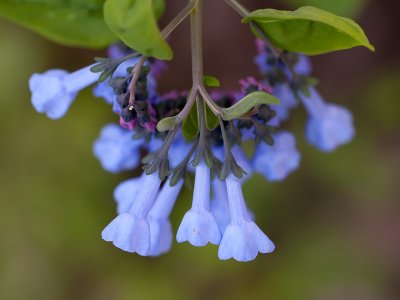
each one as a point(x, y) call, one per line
point(218, 214)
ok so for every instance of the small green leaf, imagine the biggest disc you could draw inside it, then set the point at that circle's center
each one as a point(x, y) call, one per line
point(211, 81)
point(167, 124)
point(78, 23)
point(190, 126)
point(247, 103)
point(309, 30)
point(134, 22)
point(211, 119)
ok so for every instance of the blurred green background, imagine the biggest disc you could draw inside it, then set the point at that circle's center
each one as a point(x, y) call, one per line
point(335, 221)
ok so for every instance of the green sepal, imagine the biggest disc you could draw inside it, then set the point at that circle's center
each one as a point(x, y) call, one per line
point(77, 23)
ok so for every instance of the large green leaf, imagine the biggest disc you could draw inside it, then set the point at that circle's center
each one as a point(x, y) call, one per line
point(247, 103)
point(309, 30)
point(346, 8)
point(134, 22)
point(75, 23)
point(158, 7)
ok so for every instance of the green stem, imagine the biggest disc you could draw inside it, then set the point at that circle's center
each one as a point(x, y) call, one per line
point(163, 152)
point(197, 44)
point(196, 30)
point(188, 106)
point(183, 14)
point(243, 12)
point(135, 76)
point(227, 147)
point(202, 122)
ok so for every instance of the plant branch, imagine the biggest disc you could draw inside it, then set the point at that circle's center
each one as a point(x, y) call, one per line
point(243, 12)
point(188, 106)
point(183, 14)
point(135, 76)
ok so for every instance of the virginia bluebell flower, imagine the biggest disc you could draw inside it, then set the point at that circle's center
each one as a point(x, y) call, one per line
point(125, 193)
point(267, 63)
point(329, 125)
point(54, 91)
point(219, 204)
point(198, 226)
point(116, 149)
point(303, 66)
point(242, 239)
point(158, 218)
point(278, 161)
point(130, 231)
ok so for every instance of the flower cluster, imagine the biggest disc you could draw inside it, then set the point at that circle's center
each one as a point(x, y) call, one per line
point(211, 153)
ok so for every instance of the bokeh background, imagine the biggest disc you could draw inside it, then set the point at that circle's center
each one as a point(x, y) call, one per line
point(335, 221)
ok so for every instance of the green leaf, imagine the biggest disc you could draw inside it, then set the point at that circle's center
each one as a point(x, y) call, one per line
point(167, 124)
point(211, 119)
point(309, 30)
point(159, 8)
point(76, 23)
point(247, 103)
point(345, 8)
point(211, 81)
point(190, 126)
point(134, 22)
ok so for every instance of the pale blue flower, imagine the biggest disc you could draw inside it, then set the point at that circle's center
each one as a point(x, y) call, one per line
point(198, 226)
point(329, 125)
point(116, 149)
point(125, 193)
point(288, 101)
point(131, 231)
point(54, 91)
point(303, 65)
point(158, 218)
point(242, 239)
point(219, 204)
point(278, 161)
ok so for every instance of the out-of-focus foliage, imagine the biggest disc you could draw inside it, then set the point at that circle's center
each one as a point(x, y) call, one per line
point(73, 23)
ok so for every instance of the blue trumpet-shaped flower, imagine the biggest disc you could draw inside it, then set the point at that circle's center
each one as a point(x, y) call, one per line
point(278, 161)
point(116, 149)
point(125, 193)
point(242, 239)
point(54, 91)
point(219, 204)
point(158, 218)
point(131, 231)
point(329, 125)
point(198, 226)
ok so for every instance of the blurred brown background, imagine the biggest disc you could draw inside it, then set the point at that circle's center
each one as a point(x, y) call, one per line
point(335, 221)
